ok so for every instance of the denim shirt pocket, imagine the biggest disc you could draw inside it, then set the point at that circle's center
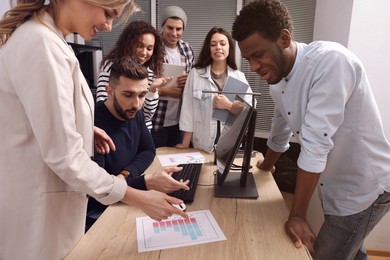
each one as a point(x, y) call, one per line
point(198, 94)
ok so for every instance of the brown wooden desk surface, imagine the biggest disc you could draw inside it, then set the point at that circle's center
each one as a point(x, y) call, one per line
point(254, 228)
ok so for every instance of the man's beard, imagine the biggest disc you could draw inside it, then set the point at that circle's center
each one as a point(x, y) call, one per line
point(122, 113)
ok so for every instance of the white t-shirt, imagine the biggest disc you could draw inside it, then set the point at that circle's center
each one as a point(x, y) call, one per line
point(172, 114)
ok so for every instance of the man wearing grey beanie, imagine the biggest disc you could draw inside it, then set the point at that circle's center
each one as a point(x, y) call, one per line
point(165, 129)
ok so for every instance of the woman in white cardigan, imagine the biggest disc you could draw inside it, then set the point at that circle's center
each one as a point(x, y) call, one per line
point(215, 64)
point(47, 136)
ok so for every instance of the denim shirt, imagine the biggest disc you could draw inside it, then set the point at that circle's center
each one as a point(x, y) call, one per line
point(326, 102)
point(197, 107)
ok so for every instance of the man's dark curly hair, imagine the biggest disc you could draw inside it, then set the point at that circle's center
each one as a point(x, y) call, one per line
point(128, 40)
point(266, 17)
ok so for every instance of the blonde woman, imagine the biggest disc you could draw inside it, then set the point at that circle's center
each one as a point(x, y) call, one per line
point(45, 165)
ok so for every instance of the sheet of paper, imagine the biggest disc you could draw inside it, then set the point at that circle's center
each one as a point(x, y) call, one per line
point(232, 85)
point(199, 228)
point(181, 158)
point(171, 70)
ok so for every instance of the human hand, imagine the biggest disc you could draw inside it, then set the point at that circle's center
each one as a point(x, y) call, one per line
point(222, 102)
point(160, 83)
point(174, 91)
point(102, 141)
point(121, 176)
point(263, 166)
point(300, 232)
point(163, 181)
point(181, 80)
point(181, 146)
point(158, 205)
point(236, 107)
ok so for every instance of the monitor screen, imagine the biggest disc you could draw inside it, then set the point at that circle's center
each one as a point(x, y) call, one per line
point(237, 128)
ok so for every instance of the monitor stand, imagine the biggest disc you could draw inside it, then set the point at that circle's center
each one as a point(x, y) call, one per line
point(231, 187)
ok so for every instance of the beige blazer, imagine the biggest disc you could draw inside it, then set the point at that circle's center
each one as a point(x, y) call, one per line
point(46, 140)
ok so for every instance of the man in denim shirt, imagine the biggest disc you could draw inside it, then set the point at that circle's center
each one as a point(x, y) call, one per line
point(322, 96)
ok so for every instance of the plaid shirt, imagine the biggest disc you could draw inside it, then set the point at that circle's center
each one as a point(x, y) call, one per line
point(187, 56)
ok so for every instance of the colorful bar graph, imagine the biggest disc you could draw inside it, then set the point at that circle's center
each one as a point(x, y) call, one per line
point(187, 227)
point(176, 231)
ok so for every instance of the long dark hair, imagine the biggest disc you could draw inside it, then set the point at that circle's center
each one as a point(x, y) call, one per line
point(205, 59)
point(128, 41)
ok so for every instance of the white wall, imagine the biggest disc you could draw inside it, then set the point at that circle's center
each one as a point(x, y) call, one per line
point(332, 20)
point(369, 38)
point(361, 26)
point(4, 6)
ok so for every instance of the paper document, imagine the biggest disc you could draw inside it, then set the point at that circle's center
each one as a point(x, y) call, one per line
point(181, 158)
point(232, 85)
point(170, 70)
point(199, 228)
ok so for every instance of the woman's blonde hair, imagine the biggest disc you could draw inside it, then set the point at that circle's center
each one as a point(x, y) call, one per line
point(25, 9)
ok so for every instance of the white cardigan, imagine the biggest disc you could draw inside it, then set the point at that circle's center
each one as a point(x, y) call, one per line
point(197, 107)
point(46, 112)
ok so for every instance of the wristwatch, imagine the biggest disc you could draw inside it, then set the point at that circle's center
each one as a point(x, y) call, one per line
point(125, 173)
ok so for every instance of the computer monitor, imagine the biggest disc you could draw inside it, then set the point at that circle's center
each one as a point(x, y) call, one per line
point(237, 133)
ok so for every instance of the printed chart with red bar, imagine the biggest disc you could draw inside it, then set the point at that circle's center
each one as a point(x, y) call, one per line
point(181, 158)
point(176, 231)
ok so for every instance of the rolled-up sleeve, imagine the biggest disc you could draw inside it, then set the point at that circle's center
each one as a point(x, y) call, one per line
point(280, 133)
point(325, 110)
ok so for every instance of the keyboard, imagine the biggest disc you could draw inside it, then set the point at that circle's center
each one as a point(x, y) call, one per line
point(190, 172)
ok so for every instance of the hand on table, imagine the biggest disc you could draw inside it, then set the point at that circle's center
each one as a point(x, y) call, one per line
point(181, 146)
point(300, 232)
point(262, 166)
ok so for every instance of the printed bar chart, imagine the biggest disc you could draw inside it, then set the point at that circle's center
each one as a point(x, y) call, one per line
point(176, 231)
point(187, 227)
point(181, 158)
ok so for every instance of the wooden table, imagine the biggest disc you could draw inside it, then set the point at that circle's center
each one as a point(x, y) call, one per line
point(253, 227)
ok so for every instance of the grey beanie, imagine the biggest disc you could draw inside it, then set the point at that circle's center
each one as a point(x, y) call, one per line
point(174, 11)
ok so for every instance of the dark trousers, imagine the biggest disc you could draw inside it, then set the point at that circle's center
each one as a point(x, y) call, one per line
point(167, 137)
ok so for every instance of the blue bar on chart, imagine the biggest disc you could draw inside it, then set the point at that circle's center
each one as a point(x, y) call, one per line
point(190, 229)
point(196, 226)
point(183, 227)
point(176, 227)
